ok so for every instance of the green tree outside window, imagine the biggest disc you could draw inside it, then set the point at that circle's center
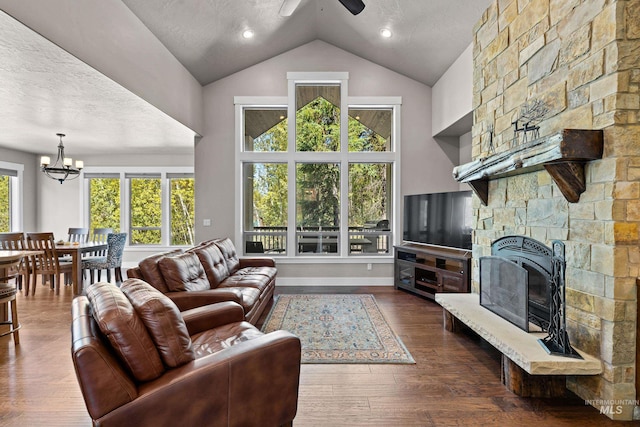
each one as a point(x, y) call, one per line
point(104, 203)
point(182, 211)
point(5, 204)
point(146, 211)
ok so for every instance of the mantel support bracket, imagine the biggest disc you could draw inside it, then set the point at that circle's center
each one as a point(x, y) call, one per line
point(563, 155)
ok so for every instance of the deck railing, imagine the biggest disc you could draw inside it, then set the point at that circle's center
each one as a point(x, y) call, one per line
point(273, 240)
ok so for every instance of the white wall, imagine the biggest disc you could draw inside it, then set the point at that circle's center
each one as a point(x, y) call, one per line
point(453, 97)
point(109, 37)
point(424, 165)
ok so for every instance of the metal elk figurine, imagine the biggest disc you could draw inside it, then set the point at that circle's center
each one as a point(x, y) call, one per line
point(531, 115)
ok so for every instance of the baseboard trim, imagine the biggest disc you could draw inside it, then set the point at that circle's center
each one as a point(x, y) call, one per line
point(334, 281)
point(320, 281)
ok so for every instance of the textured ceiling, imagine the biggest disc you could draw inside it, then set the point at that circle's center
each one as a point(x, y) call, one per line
point(206, 36)
point(45, 90)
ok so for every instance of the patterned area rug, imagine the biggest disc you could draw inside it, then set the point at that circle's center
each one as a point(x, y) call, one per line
point(338, 329)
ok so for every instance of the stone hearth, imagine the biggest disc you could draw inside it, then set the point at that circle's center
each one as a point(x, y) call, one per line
point(521, 347)
point(582, 59)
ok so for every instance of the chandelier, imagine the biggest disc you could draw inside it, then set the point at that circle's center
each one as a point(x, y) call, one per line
point(63, 168)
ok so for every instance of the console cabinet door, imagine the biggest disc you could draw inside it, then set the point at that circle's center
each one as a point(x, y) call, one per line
point(452, 283)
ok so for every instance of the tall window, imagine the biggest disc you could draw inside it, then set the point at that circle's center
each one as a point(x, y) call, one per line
point(10, 196)
point(104, 202)
point(155, 208)
point(182, 209)
point(322, 184)
point(265, 207)
point(5, 204)
point(145, 204)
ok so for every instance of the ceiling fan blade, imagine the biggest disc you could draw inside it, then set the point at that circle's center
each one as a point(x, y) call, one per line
point(288, 7)
point(354, 6)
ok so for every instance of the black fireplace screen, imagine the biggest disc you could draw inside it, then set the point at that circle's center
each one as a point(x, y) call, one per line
point(504, 288)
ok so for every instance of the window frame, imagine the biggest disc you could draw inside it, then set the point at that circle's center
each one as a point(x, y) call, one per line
point(125, 174)
point(15, 171)
point(343, 157)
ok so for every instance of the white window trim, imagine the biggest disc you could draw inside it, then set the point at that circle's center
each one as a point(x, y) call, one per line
point(125, 205)
point(17, 202)
point(343, 157)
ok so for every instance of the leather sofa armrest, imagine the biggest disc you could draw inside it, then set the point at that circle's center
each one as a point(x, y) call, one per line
point(218, 384)
point(212, 316)
point(271, 364)
point(257, 262)
point(134, 273)
point(186, 300)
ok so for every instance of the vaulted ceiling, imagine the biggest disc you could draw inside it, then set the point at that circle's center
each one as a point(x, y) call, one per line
point(206, 36)
point(45, 90)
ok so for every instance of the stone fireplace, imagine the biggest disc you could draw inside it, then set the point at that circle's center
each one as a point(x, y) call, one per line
point(582, 59)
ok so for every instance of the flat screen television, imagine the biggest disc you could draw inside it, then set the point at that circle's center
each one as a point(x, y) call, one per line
point(442, 219)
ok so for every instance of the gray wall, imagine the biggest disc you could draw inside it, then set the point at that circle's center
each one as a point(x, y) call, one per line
point(425, 167)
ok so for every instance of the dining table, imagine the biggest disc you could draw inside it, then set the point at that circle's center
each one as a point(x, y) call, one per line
point(76, 250)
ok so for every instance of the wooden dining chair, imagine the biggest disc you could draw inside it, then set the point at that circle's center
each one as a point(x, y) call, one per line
point(47, 262)
point(100, 235)
point(75, 234)
point(8, 291)
point(80, 235)
point(16, 242)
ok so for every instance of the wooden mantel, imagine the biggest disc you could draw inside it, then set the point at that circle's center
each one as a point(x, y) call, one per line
point(562, 154)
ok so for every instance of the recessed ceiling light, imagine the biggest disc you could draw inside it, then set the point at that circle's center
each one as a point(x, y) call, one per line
point(247, 34)
point(385, 32)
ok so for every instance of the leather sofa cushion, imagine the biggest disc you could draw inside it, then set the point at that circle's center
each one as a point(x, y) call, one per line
point(250, 295)
point(229, 253)
point(269, 272)
point(257, 281)
point(151, 271)
point(184, 272)
point(213, 340)
point(213, 263)
point(127, 334)
point(163, 321)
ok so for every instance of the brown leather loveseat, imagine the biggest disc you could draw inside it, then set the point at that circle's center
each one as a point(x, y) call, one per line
point(208, 273)
point(141, 362)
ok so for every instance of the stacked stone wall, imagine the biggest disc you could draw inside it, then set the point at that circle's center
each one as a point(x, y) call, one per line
point(582, 58)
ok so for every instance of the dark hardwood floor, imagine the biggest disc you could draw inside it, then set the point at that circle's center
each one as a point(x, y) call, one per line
point(455, 382)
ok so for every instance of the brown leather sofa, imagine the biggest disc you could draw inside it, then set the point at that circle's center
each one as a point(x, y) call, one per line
point(141, 362)
point(208, 273)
